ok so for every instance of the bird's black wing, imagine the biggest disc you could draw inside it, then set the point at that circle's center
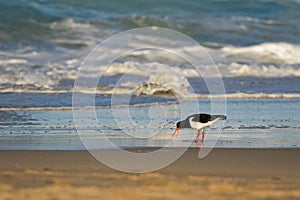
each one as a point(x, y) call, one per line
point(222, 117)
point(203, 118)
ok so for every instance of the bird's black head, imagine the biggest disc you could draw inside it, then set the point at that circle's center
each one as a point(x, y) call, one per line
point(178, 125)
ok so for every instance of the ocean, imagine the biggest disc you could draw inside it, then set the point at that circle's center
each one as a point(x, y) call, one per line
point(250, 71)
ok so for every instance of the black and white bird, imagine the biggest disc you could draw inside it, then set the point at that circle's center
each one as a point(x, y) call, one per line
point(199, 122)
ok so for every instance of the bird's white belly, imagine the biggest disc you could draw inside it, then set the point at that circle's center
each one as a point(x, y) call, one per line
point(199, 125)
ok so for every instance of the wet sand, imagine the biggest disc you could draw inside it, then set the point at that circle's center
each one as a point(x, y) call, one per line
point(223, 174)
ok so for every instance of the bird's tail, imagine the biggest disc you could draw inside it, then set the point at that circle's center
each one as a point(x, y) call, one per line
point(221, 117)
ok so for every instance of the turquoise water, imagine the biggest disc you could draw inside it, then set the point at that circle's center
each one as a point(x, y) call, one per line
point(255, 44)
point(231, 22)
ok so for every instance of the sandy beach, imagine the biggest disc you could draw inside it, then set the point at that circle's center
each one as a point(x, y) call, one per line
point(223, 174)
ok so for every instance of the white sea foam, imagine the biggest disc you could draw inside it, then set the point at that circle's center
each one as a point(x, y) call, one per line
point(156, 78)
point(265, 52)
point(27, 69)
point(13, 61)
point(68, 23)
point(141, 69)
point(257, 20)
point(79, 31)
point(165, 83)
point(258, 70)
point(227, 70)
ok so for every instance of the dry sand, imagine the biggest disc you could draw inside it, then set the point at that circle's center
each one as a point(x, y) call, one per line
point(223, 174)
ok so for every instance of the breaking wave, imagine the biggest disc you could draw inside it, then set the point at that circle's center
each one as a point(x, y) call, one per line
point(265, 52)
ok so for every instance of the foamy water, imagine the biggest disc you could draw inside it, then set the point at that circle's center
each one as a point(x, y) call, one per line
point(44, 53)
point(249, 56)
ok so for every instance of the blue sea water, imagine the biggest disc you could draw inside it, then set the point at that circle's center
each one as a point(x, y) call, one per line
point(255, 45)
point(251, 123)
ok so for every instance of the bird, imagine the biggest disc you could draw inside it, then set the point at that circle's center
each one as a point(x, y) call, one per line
point(199, 122)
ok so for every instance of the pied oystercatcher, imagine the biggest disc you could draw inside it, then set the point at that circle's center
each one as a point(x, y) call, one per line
point(199, 122)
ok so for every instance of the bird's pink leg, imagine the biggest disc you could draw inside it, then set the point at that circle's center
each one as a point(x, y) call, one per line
point(197, 136)
point(176, 132)
point(203, 136)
